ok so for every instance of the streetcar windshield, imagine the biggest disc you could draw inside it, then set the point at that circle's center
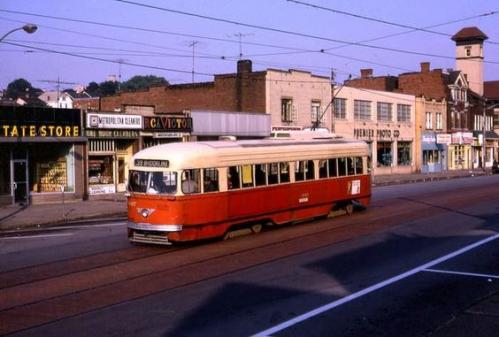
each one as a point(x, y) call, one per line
point(153, 182)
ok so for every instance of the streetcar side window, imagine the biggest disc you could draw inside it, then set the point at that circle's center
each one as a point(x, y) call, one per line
point(358, 165)
point(191, 181)
point(261, 174)
point(350, 166)
point(323, 169)
point(300, 170)
point(333, 167)
point(273, 173)
point(309, 170)
point(342, 167)
point(284, 172)
point(233, 178)
point(247, 175)
point(210, 182)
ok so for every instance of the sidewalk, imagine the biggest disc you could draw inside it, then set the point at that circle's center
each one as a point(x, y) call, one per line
point(15, 218)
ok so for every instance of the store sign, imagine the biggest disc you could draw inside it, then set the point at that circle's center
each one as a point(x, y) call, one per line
point(286, 128)
point(462, 138)
point(169, 134)
point(444, 138)
point(114, 121)
point(39, 131)
point(101, 189)
point(164, 123)
point(429, 138)
point(96, 133)
point(152, 163)
point(378, 133)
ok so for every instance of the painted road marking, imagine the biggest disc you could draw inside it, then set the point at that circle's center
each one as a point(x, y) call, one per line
point(341, 301)
point(461, 273)
point(34, 236)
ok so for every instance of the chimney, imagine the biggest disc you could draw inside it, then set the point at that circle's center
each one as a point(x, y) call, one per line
point(425, 67)
point(366, 73)
point(244, 66)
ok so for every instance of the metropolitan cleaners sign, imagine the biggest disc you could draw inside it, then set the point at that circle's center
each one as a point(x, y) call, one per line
point(114, 121)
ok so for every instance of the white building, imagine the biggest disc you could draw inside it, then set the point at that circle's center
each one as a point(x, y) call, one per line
point(385, 120)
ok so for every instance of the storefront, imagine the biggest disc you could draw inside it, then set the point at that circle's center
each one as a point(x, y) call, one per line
point(433, 153)
point(491, 139)
point(112, 140)
point(41, 155)
point(460, 156)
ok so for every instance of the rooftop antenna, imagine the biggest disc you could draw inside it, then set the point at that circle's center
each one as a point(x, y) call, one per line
point(58, 85)
point(193, 45)
point(120, 62)
point(240, 37)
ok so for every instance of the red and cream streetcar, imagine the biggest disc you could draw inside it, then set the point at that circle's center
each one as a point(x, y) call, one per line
point(198, 190)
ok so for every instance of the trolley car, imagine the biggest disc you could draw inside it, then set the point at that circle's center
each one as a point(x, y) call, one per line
point(199, 190)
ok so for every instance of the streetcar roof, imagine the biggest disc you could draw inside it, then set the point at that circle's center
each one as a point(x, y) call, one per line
point(205, 154)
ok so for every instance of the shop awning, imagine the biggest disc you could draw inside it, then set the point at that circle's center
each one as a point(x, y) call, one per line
point(490, 135)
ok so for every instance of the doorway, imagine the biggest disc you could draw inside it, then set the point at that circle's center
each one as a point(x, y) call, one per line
point(20, 181)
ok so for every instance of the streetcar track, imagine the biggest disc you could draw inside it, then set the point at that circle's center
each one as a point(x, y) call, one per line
point(4, 279)
point(209, 267)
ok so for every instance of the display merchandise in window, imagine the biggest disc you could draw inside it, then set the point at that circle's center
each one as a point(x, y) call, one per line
point(100, 170)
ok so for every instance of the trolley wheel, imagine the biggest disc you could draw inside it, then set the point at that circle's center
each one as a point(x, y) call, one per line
point(256, 228)
point(349, 208)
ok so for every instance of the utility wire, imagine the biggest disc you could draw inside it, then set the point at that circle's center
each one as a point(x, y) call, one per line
point(323, 51)
point(368, 18)
point(106, 60)
point(294, 33)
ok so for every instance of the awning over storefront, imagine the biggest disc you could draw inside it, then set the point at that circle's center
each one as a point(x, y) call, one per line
point(489, 135)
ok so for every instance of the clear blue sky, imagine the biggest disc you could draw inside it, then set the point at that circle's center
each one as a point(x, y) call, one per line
point(283, 51)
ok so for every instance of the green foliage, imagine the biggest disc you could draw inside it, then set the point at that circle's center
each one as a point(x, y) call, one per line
point(21, 88)
point(143, 82)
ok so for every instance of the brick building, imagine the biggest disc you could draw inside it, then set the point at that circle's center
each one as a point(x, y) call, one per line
point(294, 99)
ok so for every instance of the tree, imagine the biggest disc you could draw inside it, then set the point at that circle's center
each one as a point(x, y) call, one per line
point(93, 89)
point(108, 88)
point(21, 88)
point(143, 82)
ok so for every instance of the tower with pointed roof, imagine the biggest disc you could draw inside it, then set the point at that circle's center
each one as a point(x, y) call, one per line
point(469, 56)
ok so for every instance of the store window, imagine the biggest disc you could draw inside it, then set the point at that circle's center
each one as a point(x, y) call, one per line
point(431, 157)
point(384, 153)
point(52, 168)
point(4, 171)
point(100, 170)
point(404, 153)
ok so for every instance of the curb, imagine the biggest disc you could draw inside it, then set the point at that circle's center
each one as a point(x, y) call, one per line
point(58, 225)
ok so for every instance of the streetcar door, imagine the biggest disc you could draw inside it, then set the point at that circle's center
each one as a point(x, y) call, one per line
point(19, 181)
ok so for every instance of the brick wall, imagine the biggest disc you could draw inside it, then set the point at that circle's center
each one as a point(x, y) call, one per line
point(243, 91)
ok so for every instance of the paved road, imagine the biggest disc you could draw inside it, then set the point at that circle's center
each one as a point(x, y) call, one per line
point(422, 260)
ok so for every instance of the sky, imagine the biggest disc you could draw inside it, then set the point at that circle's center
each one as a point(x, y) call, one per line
point(78, 42)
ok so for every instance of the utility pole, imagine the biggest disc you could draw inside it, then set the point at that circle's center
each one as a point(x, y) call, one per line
point(193, 45)
point(483, 133)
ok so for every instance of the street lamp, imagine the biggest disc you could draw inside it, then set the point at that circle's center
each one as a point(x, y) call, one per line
point(28, 28)
point(485, 108)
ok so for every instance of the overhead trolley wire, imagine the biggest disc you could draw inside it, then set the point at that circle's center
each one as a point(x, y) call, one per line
point(277, 30)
